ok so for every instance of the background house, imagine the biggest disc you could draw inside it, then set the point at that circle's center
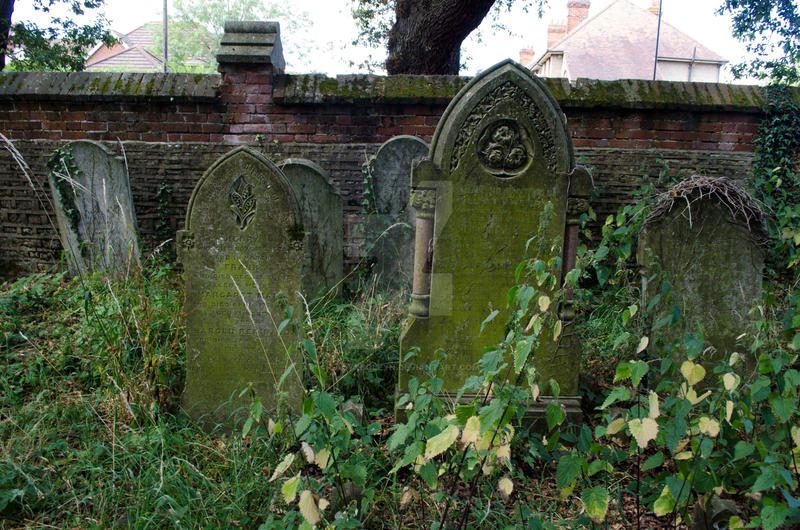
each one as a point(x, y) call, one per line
point(619, 42)
point(130, 53)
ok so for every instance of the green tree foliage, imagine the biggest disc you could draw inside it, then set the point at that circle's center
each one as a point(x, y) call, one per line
point(771, 31)
point(61, 45)
point(196, 27)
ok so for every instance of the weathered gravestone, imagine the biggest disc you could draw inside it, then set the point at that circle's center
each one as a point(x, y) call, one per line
point(94, 208)
point(243, 253)
point(321, 211)
point(703, 238)
point(390, 228)
point(500, 156)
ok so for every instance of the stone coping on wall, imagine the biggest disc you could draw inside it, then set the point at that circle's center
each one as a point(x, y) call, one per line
point(110, 86)
point(316, 89)
point(583, 93)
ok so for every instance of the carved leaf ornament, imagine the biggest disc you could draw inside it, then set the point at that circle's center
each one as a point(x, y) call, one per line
point(242, 202)
point(501, 149)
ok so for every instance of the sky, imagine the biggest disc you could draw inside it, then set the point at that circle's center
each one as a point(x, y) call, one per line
point(327, 45)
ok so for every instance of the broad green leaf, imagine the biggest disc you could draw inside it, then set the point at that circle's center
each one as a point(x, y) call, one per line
point(783, 407)
point(599, 465)
point(742, 449)
point(643, 342)
point(464, 412)
point(708, 426)
point(623, 371)
point(326, 404)
point(638, 370)
point(617, 394)
point(569, 467)
point(664, 504)
point(521, 352)
point(595, 500)
point(429, 474)
point(471, 430)
point(289, 489)
point(282, 467)
point(505, 487)
point(643, 430)
point(773, 517)
point(653, 462)
point(768, 478)
point(654, 410)
point(308, 507)
point(694, 373)
point(441, 442)
point(554, 415)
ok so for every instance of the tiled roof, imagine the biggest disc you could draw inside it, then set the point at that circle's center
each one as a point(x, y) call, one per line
point(133, 59)
point(620, 41)
point(143, 35)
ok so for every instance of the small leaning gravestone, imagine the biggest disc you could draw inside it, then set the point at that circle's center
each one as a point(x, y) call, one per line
point(321, 210)
point(94, 208)
point(243, 254)
point(500, 158)
point(390, 227)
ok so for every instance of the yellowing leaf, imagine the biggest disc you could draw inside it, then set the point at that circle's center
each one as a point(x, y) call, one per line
point(544, 303)
point(505, 487)
point(664, 504)
point(684, 455)
point(654, 410)
point(408, 495)
point(565, 492)
point(709, 427)
point(694, 373)
point(308, 452)
point(483, 443)
point(323, 503)
point(503, 451)
point(308, 507)
point(282, 467)
point(615, 426)
point(439, 443)
point(642, 344)
point(728, 411)
point(683, 443)
point(643, 430)
point(535, 392)
point(730, 381)
point(289, 489)
point(530, 325)
point(735, 358)
point(270, 427)
point(796, 435)
point(557, 330)
point(321, 459)
point(472, 430)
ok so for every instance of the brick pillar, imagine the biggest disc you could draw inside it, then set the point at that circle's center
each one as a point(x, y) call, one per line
point(250, 56)
point(577, 11)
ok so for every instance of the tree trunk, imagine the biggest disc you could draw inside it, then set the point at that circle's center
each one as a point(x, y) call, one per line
point(6, 8)
point(427, 34)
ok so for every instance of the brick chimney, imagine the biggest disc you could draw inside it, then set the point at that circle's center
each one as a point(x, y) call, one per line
point(654, 5)
point(526, 56)
point(555, 32)
point(577, 11)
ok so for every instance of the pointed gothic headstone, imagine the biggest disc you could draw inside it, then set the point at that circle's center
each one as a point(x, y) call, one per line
point(390, 227)
point(94, 208)
point(500, 157)
point(321, 210)
point(243, 253)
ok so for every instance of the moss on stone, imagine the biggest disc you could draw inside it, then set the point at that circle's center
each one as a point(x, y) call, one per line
point(106, 84)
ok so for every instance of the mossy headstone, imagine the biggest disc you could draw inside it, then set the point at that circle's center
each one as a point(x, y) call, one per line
point(321, 211)
point(390, 219)
point(500, 158)
point(243, 253)
point(702, 257)
point(94, 208)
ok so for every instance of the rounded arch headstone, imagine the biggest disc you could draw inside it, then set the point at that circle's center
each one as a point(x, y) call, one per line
point(390, 227)
point(242, 252)
point(321, 210)
point(501, 159)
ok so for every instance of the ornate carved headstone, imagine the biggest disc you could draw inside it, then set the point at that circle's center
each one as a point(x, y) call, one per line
point(704, 238)
point(390, 228)
point(500, 155)
point(94, 208)
point(321, 210)
point(242, 252)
